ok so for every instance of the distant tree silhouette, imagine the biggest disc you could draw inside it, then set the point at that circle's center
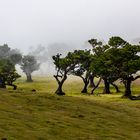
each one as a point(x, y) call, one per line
point(12, 55)
point(29, 64)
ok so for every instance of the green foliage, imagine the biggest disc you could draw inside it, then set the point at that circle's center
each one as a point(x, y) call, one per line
point(8, 59)
point(112, 61)
point(98, 47)
point(116, 42)
point(63, 66)
point(7, 72)
point(76, 63)
point(120, 62)
point(83, 60)
point(126, 60)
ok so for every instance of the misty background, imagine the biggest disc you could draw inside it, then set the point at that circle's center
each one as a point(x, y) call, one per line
point(46, 27)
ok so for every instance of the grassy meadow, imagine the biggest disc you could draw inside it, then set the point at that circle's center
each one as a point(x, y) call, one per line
point(42, 115)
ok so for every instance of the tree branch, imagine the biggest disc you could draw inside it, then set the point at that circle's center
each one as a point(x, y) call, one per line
point(136, 78)
point(96, 86)
point(82, 77)
point(56, 77)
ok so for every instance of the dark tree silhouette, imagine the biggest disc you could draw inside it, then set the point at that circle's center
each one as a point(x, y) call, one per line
point(122, 60)
point(7, 74)
point(82, 69)
point(98, 49)
point(63, 66)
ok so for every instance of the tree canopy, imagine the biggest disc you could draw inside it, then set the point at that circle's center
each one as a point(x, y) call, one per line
point(121, 60)
point(115, 60)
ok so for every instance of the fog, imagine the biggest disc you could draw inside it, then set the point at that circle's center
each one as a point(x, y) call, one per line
point(27, 23)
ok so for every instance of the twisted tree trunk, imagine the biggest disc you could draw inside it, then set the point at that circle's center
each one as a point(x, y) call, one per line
point(59, 90)
point(91, 81)
point(128, 88)
point(96, 86)
point(14, 86)
point(107, 87)
point(86, 82)
point(116, 87)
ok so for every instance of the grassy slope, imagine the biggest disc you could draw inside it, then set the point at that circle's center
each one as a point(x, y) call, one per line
point(26, 115)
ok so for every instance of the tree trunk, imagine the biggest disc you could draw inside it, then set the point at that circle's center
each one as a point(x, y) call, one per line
point(107, 87)
point(59, 90)
point(128, 88)
point(14, 86)
point(29, 77)
point(116, 87)
point(91, 81)
point(96, 86)
point(85, 87)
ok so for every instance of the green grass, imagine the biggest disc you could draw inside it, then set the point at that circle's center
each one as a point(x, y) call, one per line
point(25, 115)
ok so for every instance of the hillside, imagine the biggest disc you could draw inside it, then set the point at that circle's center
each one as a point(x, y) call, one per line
point(41, 115)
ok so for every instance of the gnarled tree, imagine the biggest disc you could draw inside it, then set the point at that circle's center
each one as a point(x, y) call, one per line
point(83, 60)
point(98, 49)
point(29, 64)
point(127, 61)
point(122, 60)
point(63, 66)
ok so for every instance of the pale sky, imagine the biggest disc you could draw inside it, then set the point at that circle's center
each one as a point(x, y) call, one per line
point(25, 23)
